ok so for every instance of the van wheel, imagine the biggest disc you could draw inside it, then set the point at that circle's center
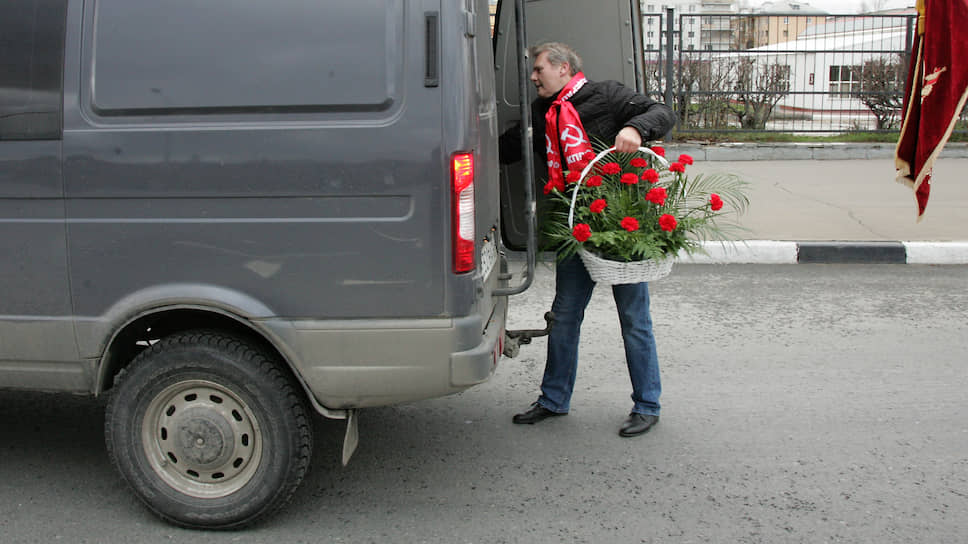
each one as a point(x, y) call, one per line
point(209, 430)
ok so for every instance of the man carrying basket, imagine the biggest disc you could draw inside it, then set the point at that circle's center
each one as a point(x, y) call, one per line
point(569, 112)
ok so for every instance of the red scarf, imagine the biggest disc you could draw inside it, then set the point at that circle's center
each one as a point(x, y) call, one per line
point(571, 136)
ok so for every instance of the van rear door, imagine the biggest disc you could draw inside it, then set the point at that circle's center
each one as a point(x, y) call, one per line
point(607, 36)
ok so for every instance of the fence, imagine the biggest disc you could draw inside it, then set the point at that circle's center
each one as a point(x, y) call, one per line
point(787, 72)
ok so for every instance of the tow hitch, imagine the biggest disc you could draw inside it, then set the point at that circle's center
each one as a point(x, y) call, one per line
point(514, 339)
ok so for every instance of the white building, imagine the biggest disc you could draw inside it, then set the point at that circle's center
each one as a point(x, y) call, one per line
point(826, 58)
point(688, 23)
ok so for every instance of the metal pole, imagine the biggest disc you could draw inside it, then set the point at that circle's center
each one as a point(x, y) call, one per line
point(909, 39)
point(670, 50)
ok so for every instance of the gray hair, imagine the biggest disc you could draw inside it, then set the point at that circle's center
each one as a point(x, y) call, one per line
point(558, 54)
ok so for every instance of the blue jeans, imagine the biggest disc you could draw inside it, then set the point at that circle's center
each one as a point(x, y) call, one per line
point(573, 290)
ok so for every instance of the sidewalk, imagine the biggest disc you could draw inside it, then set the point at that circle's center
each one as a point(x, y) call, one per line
point(850, 210)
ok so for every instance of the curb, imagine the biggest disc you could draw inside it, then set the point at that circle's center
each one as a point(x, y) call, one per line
point(834, 252)
point(753, 151)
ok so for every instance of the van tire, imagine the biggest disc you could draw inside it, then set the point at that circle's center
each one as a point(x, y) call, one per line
point(209, 430)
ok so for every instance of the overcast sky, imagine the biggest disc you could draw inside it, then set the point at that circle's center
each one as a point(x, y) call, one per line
point(848, 6)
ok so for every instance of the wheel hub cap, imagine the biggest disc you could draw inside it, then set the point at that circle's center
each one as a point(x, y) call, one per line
point(201, 438)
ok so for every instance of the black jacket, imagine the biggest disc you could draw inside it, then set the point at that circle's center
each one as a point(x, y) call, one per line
point(605, 107)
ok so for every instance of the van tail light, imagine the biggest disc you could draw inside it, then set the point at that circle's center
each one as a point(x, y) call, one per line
point(462, 211)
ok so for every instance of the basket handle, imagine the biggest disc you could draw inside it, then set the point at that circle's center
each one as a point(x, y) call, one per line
point(574, 195)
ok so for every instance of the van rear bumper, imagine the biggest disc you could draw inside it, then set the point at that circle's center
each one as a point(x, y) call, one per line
point(367, 363)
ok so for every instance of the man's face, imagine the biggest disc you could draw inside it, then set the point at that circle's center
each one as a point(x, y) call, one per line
point(549, 79)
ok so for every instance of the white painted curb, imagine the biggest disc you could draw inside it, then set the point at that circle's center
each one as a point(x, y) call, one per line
point(744, 252)
point(936, 252)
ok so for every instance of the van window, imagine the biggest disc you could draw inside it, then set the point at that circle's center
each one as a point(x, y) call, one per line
point(31, 69)
point(228, 56)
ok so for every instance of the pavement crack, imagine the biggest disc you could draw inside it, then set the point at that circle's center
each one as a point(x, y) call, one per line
point(850, 214)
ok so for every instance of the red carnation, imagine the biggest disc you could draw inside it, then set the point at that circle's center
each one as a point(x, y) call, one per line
point(677, 167)
point(573, 176)
point(656, 195)
point(667, 223)
point(594, 181)
point(598, 206)
point(630, 224)
point(589, 156)
point(581, 232)
point(611, 168)
point(651, 176)
point(715, 202)
point(554, 186)
point(629, 179)
point(685, 159)
point(658, 150)
point(639, 162)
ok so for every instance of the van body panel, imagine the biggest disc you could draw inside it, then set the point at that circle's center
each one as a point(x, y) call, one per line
point(364, 363)
point(244, 196)
point(287, 166)
point(35, 306)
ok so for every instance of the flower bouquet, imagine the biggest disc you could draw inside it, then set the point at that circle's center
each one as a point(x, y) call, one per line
point(627, 215)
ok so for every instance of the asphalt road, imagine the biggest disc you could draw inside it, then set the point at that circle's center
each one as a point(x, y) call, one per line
point(802, 403)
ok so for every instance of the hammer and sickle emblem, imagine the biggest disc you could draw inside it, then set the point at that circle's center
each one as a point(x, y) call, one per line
point(572, 137)
point(548, 148)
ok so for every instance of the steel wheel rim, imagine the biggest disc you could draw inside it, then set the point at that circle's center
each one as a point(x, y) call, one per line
point(202, 439)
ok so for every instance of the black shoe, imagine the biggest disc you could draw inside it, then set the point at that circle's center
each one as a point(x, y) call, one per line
point(637, 424)
point(534, 414)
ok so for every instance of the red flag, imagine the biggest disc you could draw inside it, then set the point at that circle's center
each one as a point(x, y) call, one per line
point(937, 86)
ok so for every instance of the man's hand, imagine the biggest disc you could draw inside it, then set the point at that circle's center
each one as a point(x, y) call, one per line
point(628, 140)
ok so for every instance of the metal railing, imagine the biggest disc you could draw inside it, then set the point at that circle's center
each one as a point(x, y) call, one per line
point(786, 72)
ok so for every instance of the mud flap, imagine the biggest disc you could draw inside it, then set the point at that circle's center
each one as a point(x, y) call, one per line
point(352, 438)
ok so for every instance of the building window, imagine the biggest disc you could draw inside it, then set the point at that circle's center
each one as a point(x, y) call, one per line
point(692, 34)
point(844, 80)
point(691, 47)
point(651, 7)
point(786, 20)
point(809, 20)
point(650, 34)
point(786, 33)
point(651, 21)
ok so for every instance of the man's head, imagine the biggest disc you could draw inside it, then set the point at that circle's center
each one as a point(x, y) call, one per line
point(554, 65)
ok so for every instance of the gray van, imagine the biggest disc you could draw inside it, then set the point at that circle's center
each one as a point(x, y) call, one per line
point(226, 216)
point(229, 215)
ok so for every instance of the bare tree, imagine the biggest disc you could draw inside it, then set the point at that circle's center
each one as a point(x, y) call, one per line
point(758, 88)
point(882, 89)
point(703, 101)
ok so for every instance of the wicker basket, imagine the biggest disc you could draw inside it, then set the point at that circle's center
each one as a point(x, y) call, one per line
point(615, 272)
